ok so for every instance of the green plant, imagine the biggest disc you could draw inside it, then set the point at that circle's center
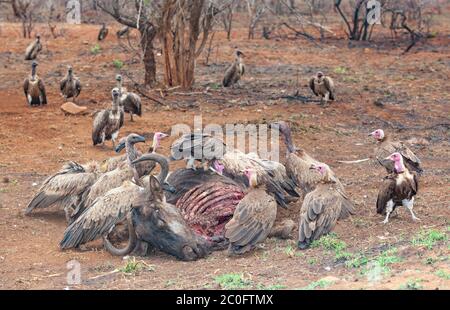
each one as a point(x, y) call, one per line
point(96, 49)
point(388, 257)
point(272, 287)
point(232, 281)
point(312, 261)
point(443, 274)
point(133, 266)
point(412, 285)
point(118, 63)
point(340, 70)
point(289, 251)
point(429, 238)
point(317, 284)
point(357, 261)
point(332, 243)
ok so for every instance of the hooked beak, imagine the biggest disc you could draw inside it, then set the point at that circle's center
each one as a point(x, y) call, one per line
point(371, 134)
point(140, 139)
point(312, 167)
point(119, 147)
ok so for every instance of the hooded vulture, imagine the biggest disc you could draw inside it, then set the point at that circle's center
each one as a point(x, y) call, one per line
point(386, 147)
point(70, 85)
point(34, 88)
point(33, 49)
point(322, 208)
point(108, 122)
point(298, 162)
point(253, 218)
point(322, 86)
point(398, 189)
point(235, 71)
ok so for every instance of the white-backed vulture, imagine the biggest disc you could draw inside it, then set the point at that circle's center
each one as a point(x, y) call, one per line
point(34, 89)
point(298, 162)
point(33, 49)
point(253, 218)
point(272, 174)
point(197, 146)
point(323, 86)
point(122, 31)
point(110, 209)
point(70, 85)
point(398, 189)
point(108, 122)
point(65, 188)
point(102, 33)
point(131, 102)
point(235, 71)
point(322, 208)
point(385, 147)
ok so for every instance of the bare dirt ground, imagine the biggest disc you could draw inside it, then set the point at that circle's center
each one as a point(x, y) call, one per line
point(363, 254)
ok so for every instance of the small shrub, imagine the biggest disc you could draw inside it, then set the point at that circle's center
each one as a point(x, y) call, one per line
point(232, 281)
point(429, 238)
point(118, 63)
point(96, 49)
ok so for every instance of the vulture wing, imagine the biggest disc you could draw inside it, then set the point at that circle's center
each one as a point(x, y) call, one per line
point(320, 211)
point(312, 86)
point(411, 159)
point(26, 84)
point(229, 77)
point(385, 194)
point(131, 103)
point(329, 85)
point(77, 87)
point(102, 216)
point(62, 84)
point(42, 90)
point(252, 221)
point(100, 123)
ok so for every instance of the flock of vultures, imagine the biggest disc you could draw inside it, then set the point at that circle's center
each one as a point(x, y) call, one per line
point(229, 200)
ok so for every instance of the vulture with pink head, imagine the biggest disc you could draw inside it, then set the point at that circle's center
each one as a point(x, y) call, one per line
point(385, 147)
point(398, 189)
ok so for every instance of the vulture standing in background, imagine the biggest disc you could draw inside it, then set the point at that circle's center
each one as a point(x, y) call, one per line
point(33, 49)
point(386, 147)
point(109, 210)
point(253, 218)
point(398, 189)
point(102, 33)
point(272, 174)
point(131, 102)
point(34, 88)
point(235, 71)
point(197, 146)
point(65, 188)
point(122, 31)
point(115, 178)
point(108, 122)
point(70, 85)
point(322, 208)
point(298, 162)
point(322, 86)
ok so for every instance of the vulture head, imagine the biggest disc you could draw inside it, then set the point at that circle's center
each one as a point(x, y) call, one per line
point(34, 64)
point(131, 139)
point(323, 169)
point(115, 93)
point(397, 158)
point(158, 136)
point(377, 134)
point(218, 167)
point(118, 78)
point(319, 74)
point(69, 69)
point(38, 38)
point(252, 177)
point(239, 54)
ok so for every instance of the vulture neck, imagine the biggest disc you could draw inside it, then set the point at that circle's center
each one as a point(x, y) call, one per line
point(399, 166)
point(119, 85)
point(69, 75)
point(33, 72)
point(253, 181)
point(155, 144)
point(132, 152)
point(288, 141)
point(115, 105)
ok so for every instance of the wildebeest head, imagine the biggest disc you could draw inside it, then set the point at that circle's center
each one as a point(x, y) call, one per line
point(162, 225)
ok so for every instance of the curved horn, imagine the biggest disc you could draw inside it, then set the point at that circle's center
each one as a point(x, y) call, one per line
point(161, 160)
point(132, 240)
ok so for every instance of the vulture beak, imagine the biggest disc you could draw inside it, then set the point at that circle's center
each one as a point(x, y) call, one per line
point(371, 134)
point(119, 147)
point(139, 139)
point(312, 167)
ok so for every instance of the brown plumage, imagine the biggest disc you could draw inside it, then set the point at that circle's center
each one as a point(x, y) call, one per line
point(398, 189)
point(34, 89)
point(235, 71)
point(33, 49)
point(385, 147)
point(65, 188)
point(70, 85)
point(108, 122)
point(322, 86)
point(131, 102)
point(298, 162)
point(102, 33)
point(322, 208)
point(253, 218)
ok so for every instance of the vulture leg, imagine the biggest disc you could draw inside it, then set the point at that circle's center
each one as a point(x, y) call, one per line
point(409, 205)
point(389, 209)
point(131, 117)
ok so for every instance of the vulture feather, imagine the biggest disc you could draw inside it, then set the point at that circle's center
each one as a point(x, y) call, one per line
point(34, 88)
point(235, 71)
point(102, 33)
point(131, 102)
point(322, 86)
point(70, 85)
point(33, 49)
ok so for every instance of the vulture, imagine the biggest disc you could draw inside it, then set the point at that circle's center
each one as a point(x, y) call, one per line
point(235, 71)
point(115, 178)
point(272, 174)
point(70, 85)
point(131, 102)
point(398, 189)
point(197, 146)
point(114, 162)
point(33, 49)
point(298, 162)
point(322, 208)
point(386, 146)
point(34, 88)
point(107, 122)
point(122, 31)
point(102, 33)
point(322, 86)
point(110, 209)
point(65, 188)
point(253, 218)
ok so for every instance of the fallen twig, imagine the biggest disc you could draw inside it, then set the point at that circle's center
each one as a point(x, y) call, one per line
point(353, 161)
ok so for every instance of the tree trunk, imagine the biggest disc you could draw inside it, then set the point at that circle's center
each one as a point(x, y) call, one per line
point(148, 34)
